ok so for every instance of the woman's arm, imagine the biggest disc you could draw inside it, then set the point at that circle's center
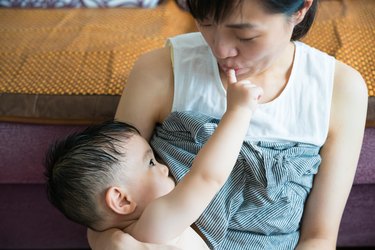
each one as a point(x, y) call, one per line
point(340, 154)
point(146, 100)
point(148, 94)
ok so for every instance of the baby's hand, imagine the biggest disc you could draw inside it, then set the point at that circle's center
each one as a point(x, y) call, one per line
point(242, 94)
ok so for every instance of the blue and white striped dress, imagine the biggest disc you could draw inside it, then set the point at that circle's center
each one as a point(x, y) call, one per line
point(261, 204)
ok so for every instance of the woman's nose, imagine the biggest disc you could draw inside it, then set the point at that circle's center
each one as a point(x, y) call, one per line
point(223, 49)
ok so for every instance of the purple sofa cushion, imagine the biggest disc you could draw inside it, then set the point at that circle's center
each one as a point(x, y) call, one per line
point(358, 222)
point(24, 145)
point(28, 221)
point(366, 166)
point(23, 148)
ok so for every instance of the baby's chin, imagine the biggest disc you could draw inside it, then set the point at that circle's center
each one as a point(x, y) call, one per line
point(170, 176)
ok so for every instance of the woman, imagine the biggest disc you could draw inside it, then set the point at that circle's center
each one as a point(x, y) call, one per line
point(309, 97)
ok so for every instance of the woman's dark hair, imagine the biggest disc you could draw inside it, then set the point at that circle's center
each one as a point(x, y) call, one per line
point(220, 9)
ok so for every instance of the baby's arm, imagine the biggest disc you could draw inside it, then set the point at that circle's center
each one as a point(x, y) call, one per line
point(116, 239)
point(167, 217)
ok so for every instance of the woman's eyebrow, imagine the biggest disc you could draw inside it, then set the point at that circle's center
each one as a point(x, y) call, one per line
point(242, 26)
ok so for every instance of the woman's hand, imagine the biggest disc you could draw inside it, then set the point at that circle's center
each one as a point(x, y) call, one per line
point(115, 239)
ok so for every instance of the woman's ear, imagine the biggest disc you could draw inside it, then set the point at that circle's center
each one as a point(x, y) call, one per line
point(300, 15)
point(119, 201)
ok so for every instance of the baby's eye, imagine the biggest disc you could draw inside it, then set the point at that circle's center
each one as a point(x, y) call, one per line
point(152, 163)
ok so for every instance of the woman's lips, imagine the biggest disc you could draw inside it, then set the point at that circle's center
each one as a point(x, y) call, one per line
point(226, 68)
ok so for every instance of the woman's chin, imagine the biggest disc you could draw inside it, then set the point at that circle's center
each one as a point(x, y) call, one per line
point(244, 72)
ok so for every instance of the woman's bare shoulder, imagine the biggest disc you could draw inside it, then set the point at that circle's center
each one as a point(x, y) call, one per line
point(148, 93)
point(350, 96)
point(348, 79)
point(153, 69)
point(158, 60)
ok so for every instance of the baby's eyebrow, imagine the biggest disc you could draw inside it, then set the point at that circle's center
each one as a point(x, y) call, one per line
point(147, 154)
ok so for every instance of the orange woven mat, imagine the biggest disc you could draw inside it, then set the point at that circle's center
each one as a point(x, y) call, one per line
point(91, 51)
point(346, 30)
point(80, 51)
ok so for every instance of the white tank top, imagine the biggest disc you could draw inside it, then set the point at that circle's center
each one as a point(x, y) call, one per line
point(299, 114)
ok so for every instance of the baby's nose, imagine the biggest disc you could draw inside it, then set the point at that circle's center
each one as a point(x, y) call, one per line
point(165, 170)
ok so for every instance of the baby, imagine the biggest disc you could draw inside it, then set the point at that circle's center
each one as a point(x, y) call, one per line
point(107, 176)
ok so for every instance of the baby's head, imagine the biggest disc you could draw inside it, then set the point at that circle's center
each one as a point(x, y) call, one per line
point(104, 176)
point(81, 168)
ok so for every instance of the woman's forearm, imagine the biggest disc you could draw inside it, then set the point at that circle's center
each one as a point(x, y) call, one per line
point(316, 244)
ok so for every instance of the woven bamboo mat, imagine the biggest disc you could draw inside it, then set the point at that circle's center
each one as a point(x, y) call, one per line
point(80, 51)
point(346, 30)
point(91, 51)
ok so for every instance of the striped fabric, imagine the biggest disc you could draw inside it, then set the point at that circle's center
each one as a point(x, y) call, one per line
point(261, 204)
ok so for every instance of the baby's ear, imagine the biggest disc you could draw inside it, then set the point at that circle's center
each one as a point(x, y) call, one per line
point(119, 201)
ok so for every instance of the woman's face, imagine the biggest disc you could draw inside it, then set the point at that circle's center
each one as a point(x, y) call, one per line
point(249, 40)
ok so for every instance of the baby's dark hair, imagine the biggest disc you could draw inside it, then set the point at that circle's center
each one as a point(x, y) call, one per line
point(82, 166)
point(220, 9)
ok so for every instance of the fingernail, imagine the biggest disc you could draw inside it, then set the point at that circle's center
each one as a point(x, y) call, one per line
point(232, 76)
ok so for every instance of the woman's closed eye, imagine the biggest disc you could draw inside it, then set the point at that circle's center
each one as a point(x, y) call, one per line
point(205, 25)
point(246, 39)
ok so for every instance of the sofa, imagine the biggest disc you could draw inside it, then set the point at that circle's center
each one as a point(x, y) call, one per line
point(62, 69)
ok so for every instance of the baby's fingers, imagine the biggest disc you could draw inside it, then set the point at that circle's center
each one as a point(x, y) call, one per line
point(256, 92)
point(231, 74)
